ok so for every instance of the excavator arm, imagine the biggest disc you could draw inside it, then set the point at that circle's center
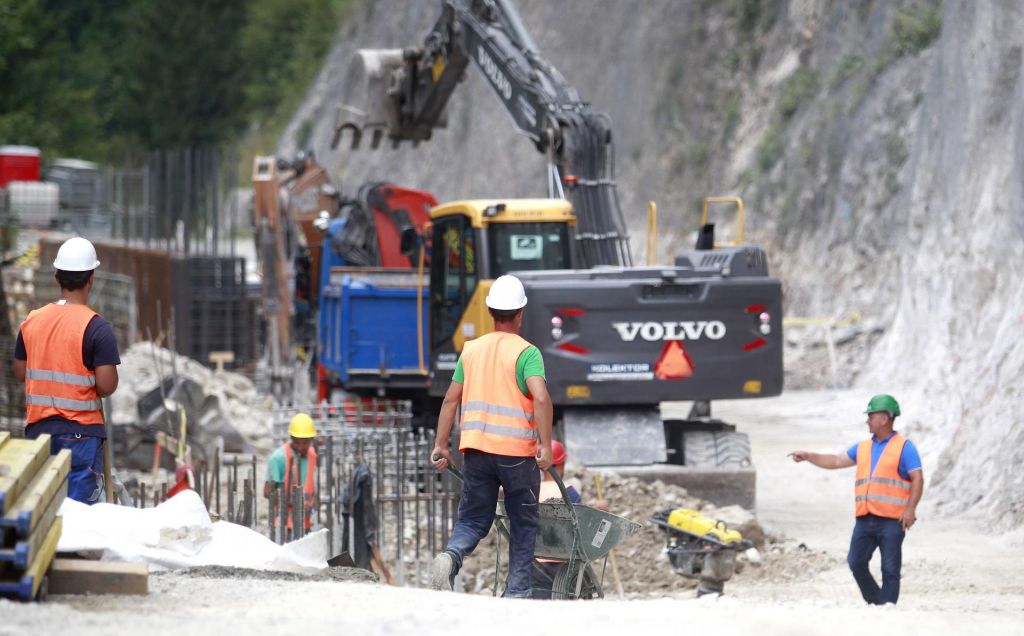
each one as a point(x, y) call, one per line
point(402, 93)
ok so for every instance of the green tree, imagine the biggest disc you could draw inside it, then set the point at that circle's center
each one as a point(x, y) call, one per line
point(180, 77)
point(43, 101)
point(284, 42)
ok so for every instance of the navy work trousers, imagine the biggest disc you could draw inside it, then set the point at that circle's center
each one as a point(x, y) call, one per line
point(85, 481)
point(483, 473)
point(872, 532)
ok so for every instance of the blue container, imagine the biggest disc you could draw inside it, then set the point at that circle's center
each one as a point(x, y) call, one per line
point(368, 328)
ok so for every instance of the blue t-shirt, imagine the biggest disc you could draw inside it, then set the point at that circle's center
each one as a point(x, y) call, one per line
point(909, 458)
point(99, 348)
point(573, 495)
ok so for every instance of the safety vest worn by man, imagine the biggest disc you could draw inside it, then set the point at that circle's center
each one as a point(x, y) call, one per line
point(57, 382)
point(883, 493)
point(292, 466)
point(496, 417)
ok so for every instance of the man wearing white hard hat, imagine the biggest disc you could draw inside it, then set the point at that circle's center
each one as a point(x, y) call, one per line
point(505, 436)
point(67, 356)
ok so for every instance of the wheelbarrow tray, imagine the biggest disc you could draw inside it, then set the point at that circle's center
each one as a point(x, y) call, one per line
point(600, 531)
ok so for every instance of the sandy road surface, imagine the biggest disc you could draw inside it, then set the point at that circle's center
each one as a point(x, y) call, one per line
point(956, 578)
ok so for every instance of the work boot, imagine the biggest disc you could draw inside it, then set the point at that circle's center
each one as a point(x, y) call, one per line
point(442, 572)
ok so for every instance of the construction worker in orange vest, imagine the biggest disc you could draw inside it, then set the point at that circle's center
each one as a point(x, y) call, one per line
point(67, 355)
point(505, 436)
point(888, 487)
point(294, 463)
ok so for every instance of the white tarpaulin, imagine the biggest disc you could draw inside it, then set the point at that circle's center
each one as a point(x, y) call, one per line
point(179, 534)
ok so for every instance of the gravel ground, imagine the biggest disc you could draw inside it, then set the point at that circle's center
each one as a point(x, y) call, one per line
point(958, 577)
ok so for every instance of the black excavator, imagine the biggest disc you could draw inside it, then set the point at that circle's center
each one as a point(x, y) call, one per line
point(617, 339)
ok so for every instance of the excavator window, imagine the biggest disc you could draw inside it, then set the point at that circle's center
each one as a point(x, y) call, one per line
point(528, 246)
point(453, 275)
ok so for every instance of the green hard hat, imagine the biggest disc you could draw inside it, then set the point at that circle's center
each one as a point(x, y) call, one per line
point(883, 402)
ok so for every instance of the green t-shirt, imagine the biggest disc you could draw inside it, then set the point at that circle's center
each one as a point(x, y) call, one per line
point(529, 364)
point(278, 462)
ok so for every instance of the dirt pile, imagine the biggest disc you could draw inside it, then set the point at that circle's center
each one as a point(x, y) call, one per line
point(142, 366)
point(643, 565)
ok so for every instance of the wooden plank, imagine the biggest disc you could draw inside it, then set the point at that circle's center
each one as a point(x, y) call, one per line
point(20, 460)
point(80, 576)
point(26, 586)
point(25, 513)
point(22, 552)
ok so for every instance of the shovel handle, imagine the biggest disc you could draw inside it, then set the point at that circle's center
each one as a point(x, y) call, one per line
point(451, 466)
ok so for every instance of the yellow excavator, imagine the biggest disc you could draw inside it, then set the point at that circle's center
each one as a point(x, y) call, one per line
point(618, 339)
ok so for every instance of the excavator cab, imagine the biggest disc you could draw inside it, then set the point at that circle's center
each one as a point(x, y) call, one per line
point(474, 242)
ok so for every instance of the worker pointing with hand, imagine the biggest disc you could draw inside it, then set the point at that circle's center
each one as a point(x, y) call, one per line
point(888, 487)
point(505, 437)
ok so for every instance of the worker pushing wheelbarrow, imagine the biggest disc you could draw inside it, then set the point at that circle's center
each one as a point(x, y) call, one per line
point(498, 386)
point(575, 535)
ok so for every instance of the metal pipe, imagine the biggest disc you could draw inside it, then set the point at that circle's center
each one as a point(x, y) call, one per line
point(399, 440)
point(231, 497)
point(416, 493)
point(330, 494)
point(317, 490)
point(255, 490)
point(244, 504)
point(282, 510)
point(272, 514)
point(379, 486)
point(216, 476)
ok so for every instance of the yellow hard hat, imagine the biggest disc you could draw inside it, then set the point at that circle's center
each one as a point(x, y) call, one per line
point(302, 427)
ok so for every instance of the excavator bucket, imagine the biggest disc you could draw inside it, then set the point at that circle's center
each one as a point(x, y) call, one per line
point(367, 105)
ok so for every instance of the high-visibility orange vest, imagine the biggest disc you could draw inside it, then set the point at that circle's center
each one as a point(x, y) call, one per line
point(883, 493)
point(57, 382)
point(308, 488)
point(496, 417)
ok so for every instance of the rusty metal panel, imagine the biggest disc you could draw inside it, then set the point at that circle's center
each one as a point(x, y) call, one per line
point(211, 305)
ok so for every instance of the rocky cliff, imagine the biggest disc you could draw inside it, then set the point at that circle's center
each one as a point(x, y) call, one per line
point(876, 144)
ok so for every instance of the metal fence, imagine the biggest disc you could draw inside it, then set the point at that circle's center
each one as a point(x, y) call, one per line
point(376, 493)
point(182, 201)
point(379, 497)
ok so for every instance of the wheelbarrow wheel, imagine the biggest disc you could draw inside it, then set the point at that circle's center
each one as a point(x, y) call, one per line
point(563, 585)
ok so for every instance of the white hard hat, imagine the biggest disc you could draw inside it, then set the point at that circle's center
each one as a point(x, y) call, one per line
point(76, 255)
point(506, 293)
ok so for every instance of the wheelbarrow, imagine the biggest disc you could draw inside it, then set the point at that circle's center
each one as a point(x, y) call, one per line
point(575, 535)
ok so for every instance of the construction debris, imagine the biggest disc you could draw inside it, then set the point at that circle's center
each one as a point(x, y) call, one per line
point(643, 566)
point(222, 403)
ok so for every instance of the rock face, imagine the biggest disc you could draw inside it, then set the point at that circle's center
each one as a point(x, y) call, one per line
point(877, 146)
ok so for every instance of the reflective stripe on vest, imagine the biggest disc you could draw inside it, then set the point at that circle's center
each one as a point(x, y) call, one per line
point(57, 376)
point(496, 417)
point(309, 485)
point(883, 493)
point(57, 382)
point(63, 403)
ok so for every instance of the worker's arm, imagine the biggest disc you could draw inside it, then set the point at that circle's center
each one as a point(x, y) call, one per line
point(106, 379)
point(823, 460)
point(19, 370)
point(542, 413)
point(909, 515)
point(440, 456)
